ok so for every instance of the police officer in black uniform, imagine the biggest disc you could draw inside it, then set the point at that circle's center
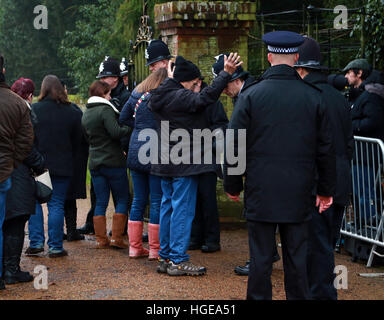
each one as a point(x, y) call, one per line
point(110, 73)
point(325, 227)
point(288, 136)
point(157, 55)
point(240, 80)
point(124, 71)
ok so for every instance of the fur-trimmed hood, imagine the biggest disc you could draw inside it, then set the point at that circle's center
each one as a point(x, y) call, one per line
point(375, 88)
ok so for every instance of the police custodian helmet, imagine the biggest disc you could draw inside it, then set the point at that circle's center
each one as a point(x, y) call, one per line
point(309, 55)
point(124, 67)
point(157, 51)
point(110, 67)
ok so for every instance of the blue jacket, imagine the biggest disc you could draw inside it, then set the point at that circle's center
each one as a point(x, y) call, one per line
point(144, 119)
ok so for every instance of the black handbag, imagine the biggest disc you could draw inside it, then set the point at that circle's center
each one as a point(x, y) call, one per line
point(43, 190)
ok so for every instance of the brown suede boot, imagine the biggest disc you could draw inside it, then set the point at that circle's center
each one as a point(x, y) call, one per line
point(153, 240)
point(135, 233)
point(118, 225)
point(100, 226)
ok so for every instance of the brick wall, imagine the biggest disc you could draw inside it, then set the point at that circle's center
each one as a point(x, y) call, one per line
point(199, 31)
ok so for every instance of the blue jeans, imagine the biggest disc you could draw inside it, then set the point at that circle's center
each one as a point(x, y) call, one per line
point(176, 215)
point(4, 187)
point(55, 218)
point(144, 185)
point(104, 181)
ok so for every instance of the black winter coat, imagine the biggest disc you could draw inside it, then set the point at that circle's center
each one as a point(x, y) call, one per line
point(183, 109)
point(215, 118)
point(367, 113)
point(78, 185)
point(58, 134)
point(120, 95)
point(247, 82)
point(21, 197)
point(340, 118)
point(288, 136)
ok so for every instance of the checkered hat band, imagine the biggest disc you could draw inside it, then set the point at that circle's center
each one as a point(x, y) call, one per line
point(282, 50)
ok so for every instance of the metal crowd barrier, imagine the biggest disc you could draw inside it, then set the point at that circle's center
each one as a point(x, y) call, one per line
point(364, 218)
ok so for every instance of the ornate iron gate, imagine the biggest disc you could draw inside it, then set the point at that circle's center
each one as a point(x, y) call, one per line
point(138, 70)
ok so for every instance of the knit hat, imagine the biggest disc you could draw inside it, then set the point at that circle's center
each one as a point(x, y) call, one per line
point(185, 70)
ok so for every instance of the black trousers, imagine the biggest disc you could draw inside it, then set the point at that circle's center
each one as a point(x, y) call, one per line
point(324, 230)
point(294, 241)
point(206, 224)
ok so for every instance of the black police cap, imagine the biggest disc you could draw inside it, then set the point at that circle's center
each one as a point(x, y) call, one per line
point(218, 66)
point(283, 42)
point(157, 51)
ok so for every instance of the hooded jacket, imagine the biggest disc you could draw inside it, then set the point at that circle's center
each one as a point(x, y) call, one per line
point(181, 108)
point(102, 130)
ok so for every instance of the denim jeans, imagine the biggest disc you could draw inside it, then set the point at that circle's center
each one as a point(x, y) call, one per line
point(176, 215)
point(144, 185)
point(4, 187)
point(104, 181)
point(55, 218)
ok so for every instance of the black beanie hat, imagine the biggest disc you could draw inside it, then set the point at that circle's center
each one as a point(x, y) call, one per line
point(185, 70)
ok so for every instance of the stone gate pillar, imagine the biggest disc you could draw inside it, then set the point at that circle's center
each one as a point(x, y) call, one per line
point(200, 30)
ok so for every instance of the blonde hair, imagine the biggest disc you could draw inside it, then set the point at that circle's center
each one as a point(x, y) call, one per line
point(152, 81)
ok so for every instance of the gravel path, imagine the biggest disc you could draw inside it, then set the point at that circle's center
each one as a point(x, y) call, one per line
point(87, 273)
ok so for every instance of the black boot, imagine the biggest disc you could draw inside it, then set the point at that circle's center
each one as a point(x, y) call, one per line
point(13, 245)
point(70, 221)
point(2, 284)
point(88, 227)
